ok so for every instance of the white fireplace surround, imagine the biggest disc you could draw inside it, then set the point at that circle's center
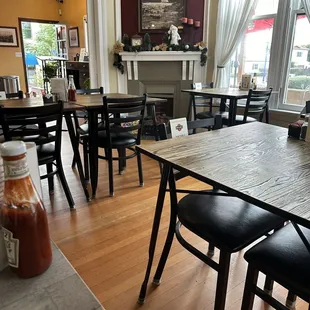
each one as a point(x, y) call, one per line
point(191, 68)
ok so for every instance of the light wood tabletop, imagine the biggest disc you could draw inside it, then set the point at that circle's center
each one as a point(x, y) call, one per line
point(255, 162)
point(219, 92)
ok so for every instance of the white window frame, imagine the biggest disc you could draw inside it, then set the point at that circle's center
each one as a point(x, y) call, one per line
point(287, 61)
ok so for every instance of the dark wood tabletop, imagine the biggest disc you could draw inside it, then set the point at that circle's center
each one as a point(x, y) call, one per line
point(95, 101)
point(256, 162)
point(227, 93)
point(35, 102)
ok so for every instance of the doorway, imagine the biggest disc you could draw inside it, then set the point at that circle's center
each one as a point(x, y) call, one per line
point(42, 47)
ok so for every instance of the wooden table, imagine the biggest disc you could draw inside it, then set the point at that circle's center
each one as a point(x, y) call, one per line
point(231, 94)
point(255, 162)
point(59, 287)
point(94, 105)
point(69, 108)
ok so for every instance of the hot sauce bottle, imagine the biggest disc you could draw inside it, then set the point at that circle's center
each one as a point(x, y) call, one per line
point(71, 89)
point(23, 216)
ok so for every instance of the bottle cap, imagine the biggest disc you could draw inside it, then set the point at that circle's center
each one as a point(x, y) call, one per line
point(13, 148)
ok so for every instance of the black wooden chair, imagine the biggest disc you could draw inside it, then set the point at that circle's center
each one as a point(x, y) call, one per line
point(120, 133)
point(256, 105)
point(82, 129)
point(46, 135)
point(18, 95)
point(284, 258)
point(199, 101)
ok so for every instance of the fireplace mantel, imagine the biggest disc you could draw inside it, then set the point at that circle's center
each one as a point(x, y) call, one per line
point(162, 74)
point(191, 68)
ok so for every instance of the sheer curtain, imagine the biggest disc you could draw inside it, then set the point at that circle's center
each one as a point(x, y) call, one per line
point(232, 20)
point(306, 5)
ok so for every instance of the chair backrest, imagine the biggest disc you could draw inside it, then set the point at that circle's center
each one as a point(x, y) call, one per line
point(214, 123)
point(40, 125)
point(18, 95)
point(90, 91)
point(258, 100)
point(132, 110)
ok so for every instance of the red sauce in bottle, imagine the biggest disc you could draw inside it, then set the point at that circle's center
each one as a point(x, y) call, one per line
point(71, 94)
point(24, 221)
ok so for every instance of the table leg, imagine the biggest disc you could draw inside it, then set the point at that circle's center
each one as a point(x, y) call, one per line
point(189, 112)
point(156, 222)
point(154, 122)
point(75, 147)
point(93, 149)
point(232, 111)
point(171, 230)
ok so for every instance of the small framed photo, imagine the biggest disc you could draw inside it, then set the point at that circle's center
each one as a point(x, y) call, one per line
point(8, 36)
point(74, 40)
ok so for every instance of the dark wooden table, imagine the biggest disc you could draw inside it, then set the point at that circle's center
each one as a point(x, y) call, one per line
point(69, 108)
point(255, 162)
point(93, 104)
point(231, 94)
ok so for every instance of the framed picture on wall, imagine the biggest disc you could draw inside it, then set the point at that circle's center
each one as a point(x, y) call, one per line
point(74, 40)
point(159, 15)
point(8, 36)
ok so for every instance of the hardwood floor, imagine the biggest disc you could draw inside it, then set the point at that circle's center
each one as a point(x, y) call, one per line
point(107, 240)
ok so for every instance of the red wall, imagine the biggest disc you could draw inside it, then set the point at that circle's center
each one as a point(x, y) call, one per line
point(195, 10)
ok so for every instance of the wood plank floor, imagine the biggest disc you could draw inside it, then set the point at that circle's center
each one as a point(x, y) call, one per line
point(107, 240)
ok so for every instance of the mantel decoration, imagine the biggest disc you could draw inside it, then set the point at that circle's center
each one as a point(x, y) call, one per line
point(167, 45)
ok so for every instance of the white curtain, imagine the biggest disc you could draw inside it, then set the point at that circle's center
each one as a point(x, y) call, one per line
point(232, 20)
point(306, 5)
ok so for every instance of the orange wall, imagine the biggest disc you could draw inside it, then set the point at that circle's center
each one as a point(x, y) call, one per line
point(72, 15)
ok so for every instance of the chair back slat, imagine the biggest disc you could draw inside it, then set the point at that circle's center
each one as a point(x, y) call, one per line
point(214, 123)
point(90, 91)
point(116, 124)
point(40, 125)
point(18, 95)
point(262, 96)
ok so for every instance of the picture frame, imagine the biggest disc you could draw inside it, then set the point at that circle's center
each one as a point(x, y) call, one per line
point(156, 16)
point(74, 40)
point(8, 36)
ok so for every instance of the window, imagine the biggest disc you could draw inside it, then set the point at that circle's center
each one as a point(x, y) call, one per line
point(255, 67)
point(26, 28)
point(298, 79)
point(253, 53)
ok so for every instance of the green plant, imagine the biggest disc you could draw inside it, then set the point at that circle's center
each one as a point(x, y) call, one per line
point(147, 43)
point(87, 83)
point(299, 82)
point(50, 71)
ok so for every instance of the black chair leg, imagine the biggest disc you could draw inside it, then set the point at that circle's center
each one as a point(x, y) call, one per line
point(250, 284)
point(268, 287)
point(291, 300)
point(64, 183)
point(139, 160)
point(110, 163)
point(210, 250)
point(49, 169)
point(73, 163)
point(86, 161)
point(222, 281)
point(121, 160)
point(267, 115)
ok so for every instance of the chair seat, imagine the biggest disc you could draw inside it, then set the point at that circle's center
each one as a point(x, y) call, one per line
point(228, 222)
point(239, 118)
point(285, 258)
point(204, 115)
point(84, 128)
point(46, 152)
point(124, 139)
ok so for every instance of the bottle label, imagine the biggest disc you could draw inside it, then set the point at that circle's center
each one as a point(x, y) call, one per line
point(12, 248)
point(17, 169)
